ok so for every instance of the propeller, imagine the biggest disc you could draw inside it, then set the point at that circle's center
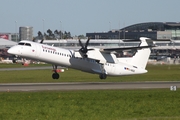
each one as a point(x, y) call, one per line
point(42, 41)
point(34, 40)
point(83, 48)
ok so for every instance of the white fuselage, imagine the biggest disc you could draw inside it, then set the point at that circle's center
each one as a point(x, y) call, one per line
point(68, 58)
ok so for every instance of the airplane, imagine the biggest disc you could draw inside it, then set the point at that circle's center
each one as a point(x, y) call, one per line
point(91, 60)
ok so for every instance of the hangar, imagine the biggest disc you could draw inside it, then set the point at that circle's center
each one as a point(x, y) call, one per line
point(4, 45)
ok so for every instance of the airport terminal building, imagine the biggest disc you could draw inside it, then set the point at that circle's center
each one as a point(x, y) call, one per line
point(153, 30)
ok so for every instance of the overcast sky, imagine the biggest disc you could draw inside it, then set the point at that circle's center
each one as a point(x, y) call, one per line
point(84, 16)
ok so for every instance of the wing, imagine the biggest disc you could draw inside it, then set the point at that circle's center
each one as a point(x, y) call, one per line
point(109, 50)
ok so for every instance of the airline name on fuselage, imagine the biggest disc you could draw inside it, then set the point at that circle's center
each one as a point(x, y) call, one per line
point(48, 48)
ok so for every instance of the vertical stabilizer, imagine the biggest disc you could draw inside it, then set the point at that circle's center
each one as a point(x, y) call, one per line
point(141, 57)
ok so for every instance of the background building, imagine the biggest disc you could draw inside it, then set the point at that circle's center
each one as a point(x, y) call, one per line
point(10, 36)
point(153, 30)
point(26, 33)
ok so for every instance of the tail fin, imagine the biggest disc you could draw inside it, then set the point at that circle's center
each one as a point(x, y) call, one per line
point(141, 57)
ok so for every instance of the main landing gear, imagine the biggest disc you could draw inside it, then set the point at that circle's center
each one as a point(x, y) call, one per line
point(55, 75)
point(103, 72)
point(102, 76)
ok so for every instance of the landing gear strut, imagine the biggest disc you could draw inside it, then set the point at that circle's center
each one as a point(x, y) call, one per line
point(55, 75)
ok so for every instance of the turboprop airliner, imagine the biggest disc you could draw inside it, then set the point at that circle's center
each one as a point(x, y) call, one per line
point(93, 60)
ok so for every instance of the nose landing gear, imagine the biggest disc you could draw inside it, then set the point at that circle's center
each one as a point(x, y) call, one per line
point(55, 75)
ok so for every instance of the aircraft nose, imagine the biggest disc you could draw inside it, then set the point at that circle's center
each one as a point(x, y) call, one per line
point(11, 51)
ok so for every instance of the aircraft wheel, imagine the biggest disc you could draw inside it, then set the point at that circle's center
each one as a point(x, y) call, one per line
point(55, 76)
point(102, 76)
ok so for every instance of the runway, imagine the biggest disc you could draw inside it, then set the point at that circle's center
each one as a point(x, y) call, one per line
point(85, 86)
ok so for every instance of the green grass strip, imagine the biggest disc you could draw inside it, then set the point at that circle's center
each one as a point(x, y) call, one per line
point(155, 73)
point(158, 104)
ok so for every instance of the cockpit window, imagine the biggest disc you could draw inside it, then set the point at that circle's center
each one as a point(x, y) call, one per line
point(26, 44)
point(21, 43)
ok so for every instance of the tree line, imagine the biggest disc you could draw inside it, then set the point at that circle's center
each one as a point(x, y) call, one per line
point(50, 35)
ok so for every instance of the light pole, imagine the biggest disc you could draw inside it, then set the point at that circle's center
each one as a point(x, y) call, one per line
point(109, 26)
point(16, 30)
point(61, 29)
point(119, 30)
point(124, 34)
point(43, 28)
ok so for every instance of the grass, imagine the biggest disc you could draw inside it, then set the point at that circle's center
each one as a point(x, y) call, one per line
point(155, 73)
point(158, 104)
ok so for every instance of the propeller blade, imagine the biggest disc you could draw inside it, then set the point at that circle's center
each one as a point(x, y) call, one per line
point(87, 42)
point(42, 41)
point(33, 40)
point(80, 43)
point(90, 49)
